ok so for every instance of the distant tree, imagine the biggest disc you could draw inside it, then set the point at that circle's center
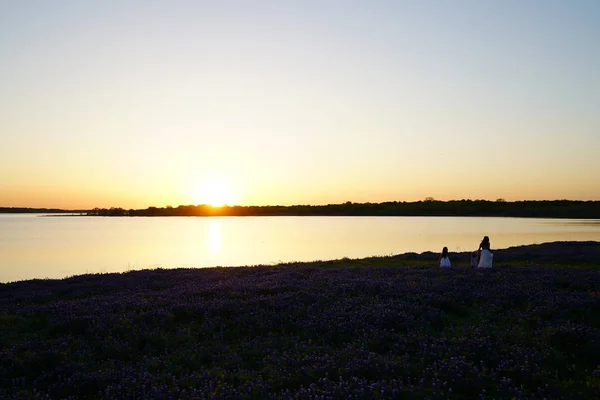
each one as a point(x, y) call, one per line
point(428, 206)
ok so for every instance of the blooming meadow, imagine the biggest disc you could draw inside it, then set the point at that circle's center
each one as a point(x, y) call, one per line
point(305, 331)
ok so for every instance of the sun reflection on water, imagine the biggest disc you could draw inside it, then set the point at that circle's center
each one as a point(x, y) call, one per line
point(214, 238)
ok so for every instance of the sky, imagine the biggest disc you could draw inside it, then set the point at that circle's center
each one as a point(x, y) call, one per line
point(138, 103)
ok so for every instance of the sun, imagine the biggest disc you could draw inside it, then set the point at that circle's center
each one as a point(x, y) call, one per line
point(216, 193)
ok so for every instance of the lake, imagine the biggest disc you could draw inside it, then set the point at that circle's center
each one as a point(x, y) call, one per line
point(36, 246)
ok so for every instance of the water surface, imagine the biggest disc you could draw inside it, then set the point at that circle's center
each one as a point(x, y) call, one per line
point(34, 246)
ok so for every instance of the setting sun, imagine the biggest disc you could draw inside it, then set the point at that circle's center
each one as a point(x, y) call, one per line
point(216, 192)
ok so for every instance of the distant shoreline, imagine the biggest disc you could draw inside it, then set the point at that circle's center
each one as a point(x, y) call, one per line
point(428, 208)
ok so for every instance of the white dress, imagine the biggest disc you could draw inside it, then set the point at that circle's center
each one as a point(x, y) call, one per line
point(485, 260)
point(445, 262)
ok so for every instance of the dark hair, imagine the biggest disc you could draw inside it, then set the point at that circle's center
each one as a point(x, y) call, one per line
point(444, 252)
point(485, 243)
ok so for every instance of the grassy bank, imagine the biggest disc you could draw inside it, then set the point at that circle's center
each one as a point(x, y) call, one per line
point(391, 327)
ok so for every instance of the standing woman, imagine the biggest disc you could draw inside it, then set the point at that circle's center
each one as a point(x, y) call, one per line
point(485, 255)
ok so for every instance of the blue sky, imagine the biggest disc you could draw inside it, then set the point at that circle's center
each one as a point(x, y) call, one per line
point(139, 103)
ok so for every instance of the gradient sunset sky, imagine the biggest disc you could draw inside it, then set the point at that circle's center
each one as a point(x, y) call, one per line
point(152, 103)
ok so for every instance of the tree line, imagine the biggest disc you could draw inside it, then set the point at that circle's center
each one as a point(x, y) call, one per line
point(427, 207)
point(30, 210)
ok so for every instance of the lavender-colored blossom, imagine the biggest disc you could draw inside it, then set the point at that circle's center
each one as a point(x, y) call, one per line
point(304, 332)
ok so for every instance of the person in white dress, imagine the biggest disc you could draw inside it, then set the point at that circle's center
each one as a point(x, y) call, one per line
point(485, 255)
point(444, 259)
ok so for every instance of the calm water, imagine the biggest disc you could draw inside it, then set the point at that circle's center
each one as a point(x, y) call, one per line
point(33, 246)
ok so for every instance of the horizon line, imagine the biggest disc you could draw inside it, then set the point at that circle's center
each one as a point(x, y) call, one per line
point(499, 200)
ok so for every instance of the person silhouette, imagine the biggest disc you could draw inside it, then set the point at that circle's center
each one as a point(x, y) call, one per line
point(485, 255)
point(444, 259)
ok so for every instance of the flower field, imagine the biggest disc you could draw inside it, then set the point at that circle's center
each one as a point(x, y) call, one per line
point(306, 331)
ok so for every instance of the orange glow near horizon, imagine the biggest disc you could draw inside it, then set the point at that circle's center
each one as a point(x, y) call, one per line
point(216, 192)
point(247, 106)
